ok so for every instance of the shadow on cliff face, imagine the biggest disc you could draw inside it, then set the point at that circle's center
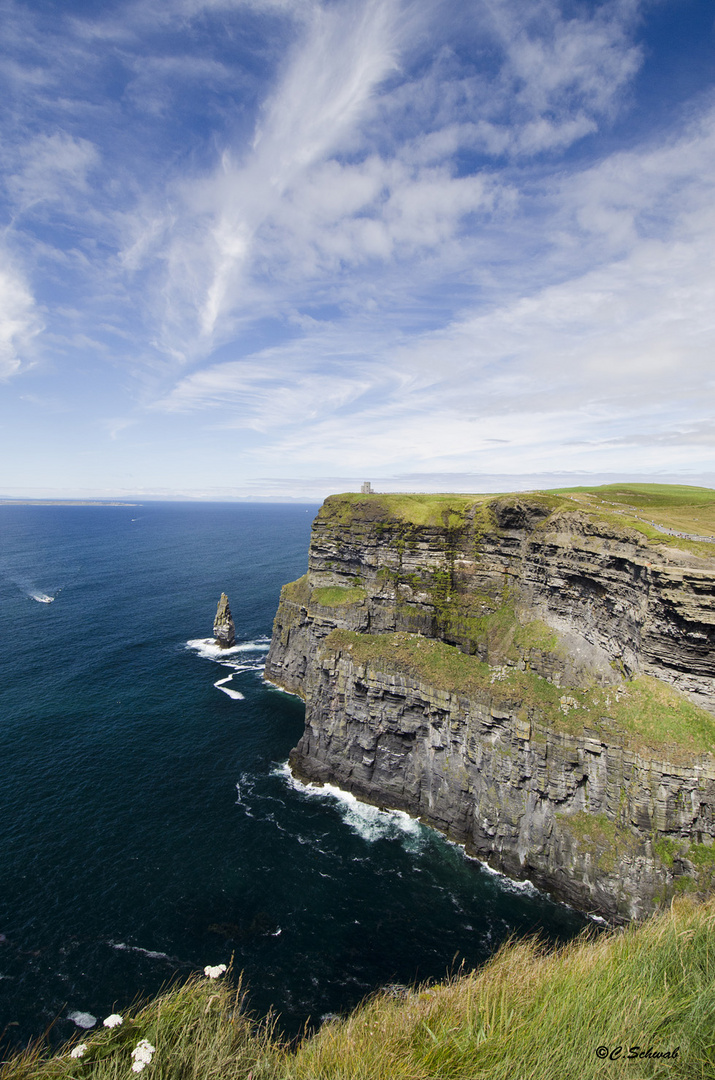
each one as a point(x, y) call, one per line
point(518, 513)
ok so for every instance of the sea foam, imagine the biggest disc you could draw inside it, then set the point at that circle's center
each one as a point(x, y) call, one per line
point(369, 822)
point(121, 947)
point(209, 650)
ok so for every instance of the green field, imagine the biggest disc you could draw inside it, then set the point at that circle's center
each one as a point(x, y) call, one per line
point(674, 506)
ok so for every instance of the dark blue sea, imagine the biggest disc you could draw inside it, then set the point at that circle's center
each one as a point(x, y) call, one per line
point(148, 822)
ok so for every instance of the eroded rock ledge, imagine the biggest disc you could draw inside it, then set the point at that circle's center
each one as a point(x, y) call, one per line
point(532, 679)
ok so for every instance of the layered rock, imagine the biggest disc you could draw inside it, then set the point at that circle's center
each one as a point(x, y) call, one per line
point(224, 629)
point(493, 671)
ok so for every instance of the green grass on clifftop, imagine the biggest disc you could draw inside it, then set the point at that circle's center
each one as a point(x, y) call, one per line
point(437, 510)
point(528, 1014)
point(639, 507)
point(644, 714)
point(684, 509)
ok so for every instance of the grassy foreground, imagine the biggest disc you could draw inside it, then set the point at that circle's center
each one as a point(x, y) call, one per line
point(648, 990)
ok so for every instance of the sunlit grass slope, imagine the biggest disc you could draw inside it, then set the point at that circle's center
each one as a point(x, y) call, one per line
point(527, 1014)
point(689, 510)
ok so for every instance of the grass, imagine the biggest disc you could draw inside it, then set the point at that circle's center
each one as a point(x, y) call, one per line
point(297, 592)
point(649, 495)
point(610, 843)
point(702, 857)
point(438, 510)
point(529, 1014)
point(673, 506)
point(195, 1028)
point(633, 506)
point(644, 714)
point(301, 592)
point(338, 595)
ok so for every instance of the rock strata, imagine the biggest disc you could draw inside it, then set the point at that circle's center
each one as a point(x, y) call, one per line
point(224, 629)
point(532, 680)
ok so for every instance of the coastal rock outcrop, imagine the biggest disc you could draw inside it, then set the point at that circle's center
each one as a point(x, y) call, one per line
point(224, 629)
point(533, 679)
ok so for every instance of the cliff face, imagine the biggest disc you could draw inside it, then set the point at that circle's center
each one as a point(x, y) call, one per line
point(529, 677)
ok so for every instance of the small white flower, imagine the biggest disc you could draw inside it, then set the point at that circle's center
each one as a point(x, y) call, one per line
point(79, 1051)
point(214, 972)
point(142, 1054)
point(113, 1021)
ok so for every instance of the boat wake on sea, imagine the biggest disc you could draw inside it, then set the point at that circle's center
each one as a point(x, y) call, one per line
point(229, 658)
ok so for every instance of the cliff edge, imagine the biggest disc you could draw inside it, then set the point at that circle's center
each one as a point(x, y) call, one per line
point(531, 674)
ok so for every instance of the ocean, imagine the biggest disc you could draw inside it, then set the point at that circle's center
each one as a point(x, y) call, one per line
point(149, 824)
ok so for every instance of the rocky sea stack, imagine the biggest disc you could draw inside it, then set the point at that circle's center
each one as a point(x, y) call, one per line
point(534, 675)
point(224, 630)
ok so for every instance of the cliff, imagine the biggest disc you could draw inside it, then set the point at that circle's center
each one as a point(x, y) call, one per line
point(533, 675)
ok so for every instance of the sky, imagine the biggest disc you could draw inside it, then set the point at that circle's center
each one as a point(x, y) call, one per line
point(273, 248)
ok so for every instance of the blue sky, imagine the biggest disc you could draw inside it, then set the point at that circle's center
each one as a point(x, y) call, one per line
point(272, 248)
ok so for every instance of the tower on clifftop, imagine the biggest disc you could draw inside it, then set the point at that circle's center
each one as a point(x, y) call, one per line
point(366, 488)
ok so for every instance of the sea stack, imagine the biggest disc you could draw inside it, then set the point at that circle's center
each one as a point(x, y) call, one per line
point(224, 630)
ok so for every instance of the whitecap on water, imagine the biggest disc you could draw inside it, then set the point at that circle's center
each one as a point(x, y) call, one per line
point(121, 947)
point(369, 822)
point(235, 694)
point(82, 1019)
point(507, 883)
point(209, 650)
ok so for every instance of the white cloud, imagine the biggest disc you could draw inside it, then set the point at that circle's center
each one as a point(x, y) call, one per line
point(394, 259)
point(561, 75)
point(50, 165)
point(19, 319)
point(310, 198)
point(343, 55)
point(601, 360)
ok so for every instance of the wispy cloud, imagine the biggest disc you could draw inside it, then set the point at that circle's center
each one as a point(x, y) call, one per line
point(20, 321)
point(410, 236)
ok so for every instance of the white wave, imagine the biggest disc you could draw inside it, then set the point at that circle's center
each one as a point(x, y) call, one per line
point(82, 1019)
point(262, 645)
point(369, 822)
point(121, 947)
point(244, 786)
point(235, 694)
point(209, 650)
point(508, 883)
point(275, 686)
